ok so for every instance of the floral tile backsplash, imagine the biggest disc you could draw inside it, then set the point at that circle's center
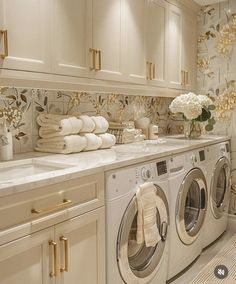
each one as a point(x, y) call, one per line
point(26, 104)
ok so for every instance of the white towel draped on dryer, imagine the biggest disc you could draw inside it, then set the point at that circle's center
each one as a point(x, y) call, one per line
point(147, 227)
point(53, 125)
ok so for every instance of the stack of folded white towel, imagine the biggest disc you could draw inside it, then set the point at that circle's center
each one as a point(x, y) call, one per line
point(148, 202)
point(68, 134)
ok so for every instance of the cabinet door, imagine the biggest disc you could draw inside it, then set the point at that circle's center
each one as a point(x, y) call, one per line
point(135, 23)
point(72, 37)
point(108, 38)
point(175, 77)
point(25, 44)
point(82, 249)
point(26, 260)
point(190, 48)
point(157, 23)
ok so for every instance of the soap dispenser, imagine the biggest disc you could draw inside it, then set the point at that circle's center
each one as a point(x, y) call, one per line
point(6, 146)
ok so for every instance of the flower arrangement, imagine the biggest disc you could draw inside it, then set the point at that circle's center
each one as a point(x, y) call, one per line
point(195, 108)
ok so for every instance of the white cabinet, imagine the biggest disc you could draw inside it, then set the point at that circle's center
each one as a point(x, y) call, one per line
point(72, 37)
point(135, 21)
point(81, 249)
point(189, 49)
point(25, 35)
point(175, 72)
point(156, 32)
point(182, 57)
point(27, 260)
point(108, 39)
point(70, 253)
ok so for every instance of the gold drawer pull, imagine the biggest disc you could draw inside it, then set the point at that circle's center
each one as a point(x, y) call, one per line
point(66, 265)
point(5, 38)
point(99, 54)
point(47, 210)
point(54, 272)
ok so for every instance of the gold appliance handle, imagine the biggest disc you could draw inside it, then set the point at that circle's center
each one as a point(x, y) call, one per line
point(66, 265)
point(50, 209)
point(54, 272)
point(5, 43)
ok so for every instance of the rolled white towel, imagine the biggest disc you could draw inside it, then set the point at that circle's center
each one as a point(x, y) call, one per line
point(88, 124)
point(53, 125)
point(108, 140)
point(93, 141)
point(63, 145)
point(101, 124)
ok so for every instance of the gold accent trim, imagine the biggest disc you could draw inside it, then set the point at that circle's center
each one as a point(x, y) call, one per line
point(5, 43)
point(147, 70)
point(49, 209)
point(54, 272)
point(66, 265)
point(186, 78)
point(100, 59)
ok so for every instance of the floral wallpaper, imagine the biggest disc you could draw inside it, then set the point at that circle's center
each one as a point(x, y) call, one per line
point(20, 108)
point(217, 70)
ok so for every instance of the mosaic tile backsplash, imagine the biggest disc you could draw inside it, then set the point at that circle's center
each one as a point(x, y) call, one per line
point(115, 107)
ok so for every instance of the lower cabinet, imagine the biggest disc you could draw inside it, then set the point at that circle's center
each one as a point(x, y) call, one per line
point(71, 252)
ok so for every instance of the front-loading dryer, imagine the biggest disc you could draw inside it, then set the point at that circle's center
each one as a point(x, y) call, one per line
point(126, 260)
point(188, 203)
point(218, 178)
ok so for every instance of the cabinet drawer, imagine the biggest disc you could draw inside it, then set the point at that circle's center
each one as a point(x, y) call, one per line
point(83, 194)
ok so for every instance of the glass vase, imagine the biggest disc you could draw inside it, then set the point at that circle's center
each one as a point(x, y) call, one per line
point(192, 129)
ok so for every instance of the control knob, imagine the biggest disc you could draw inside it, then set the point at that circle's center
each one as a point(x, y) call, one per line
point(145, 173)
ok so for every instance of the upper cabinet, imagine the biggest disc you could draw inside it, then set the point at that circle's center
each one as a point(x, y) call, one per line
point(156, 33)
point(142, 42)
point(106, 51)
point(72, 37)
point(189, 49)
point(182, 57)
point(25, 35)
point(135, 25)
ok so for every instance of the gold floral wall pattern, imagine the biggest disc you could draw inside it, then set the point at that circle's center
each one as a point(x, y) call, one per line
point(217, 56)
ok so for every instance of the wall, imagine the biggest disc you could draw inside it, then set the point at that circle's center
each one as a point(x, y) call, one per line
point(28, 103)
point(217, 68)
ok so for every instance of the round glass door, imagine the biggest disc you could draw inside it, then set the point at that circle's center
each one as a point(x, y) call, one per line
point(136, 262)
point(191, 206)
point(220, 187)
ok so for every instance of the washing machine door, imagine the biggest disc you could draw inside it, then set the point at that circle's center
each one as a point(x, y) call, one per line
point(220, 188)
point(138, 263)
point(191, 206)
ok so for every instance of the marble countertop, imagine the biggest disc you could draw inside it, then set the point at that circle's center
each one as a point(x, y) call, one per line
point(100, 161)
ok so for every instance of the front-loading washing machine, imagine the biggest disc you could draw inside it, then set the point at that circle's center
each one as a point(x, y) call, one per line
point(126, 260)
point(188, 203)
point(218, 178)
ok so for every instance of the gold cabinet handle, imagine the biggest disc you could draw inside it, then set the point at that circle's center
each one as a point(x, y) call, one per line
point(150, 71)
point(147, 70)
point(154, 71)
point(186, 82)
point(93, 60)
point(98, 55)
point(99, 60)
point(182, 77)
point(54, 272)
point(5, 43)
point(66, 265)
point(49, 209)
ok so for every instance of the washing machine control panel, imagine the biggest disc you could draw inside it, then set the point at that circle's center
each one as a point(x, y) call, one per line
point(161, 168)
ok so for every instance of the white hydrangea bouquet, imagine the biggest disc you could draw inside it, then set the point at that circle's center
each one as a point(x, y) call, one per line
point(195, 109)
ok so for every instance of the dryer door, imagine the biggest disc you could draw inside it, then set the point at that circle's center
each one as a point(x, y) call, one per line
point(138, 263)
point(220, 188)
point(191, 206)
